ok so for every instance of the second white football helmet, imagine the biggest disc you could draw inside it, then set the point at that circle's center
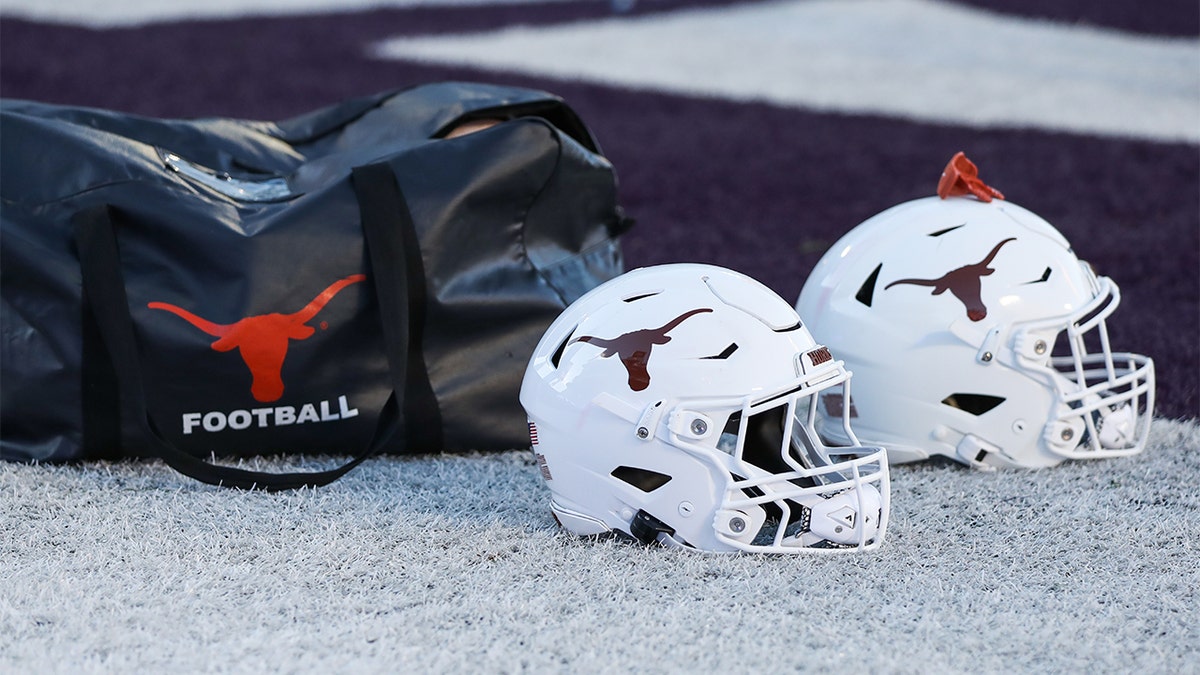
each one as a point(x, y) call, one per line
point(974, 332)
point(677, 404)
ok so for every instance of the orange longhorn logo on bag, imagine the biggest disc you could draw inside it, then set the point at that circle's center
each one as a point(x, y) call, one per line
point(965, 283)
point(263, 339)
point(634, 347)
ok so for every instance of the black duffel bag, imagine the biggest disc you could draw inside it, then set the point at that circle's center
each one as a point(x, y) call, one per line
point(370, 277)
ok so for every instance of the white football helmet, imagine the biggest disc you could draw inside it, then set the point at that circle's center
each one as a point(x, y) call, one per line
point(974, 332)
point(676, 404)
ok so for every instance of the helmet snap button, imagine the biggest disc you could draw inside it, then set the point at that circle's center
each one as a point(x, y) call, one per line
point(737, 525)
point(699, 427)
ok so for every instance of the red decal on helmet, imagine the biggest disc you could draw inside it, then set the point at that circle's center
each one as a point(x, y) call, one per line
point(820, 355)
point(965, 283)
point(634, 347)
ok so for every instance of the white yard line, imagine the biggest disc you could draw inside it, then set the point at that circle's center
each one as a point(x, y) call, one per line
point(112, 13)
point(919, 59)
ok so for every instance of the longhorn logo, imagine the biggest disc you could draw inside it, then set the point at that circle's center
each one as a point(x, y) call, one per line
point(263, 339)
point(634, 347)
point(965, 283)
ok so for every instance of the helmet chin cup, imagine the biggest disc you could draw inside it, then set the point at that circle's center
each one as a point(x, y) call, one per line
point(1118, 427)
point(847, 518)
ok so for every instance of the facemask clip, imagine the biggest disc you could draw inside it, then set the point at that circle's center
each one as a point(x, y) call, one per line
point(647, 424)
point(987, 351)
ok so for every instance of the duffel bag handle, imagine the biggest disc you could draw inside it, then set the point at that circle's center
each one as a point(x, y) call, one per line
point(392, 248)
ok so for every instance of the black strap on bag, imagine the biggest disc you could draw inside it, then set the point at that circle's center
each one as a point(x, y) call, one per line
point(391, 243)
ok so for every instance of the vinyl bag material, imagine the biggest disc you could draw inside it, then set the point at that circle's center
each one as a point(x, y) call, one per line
point(356, 280)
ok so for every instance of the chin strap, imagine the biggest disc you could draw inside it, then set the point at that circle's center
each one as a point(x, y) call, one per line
point(973, 451)
point(646, 528)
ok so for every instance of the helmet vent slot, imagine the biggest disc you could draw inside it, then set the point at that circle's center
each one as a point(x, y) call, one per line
point(976, 404)
point(635, 298)
point(642, 479)
point(941, 232)
point(1045, 278)
point(725, 353)
point(867, 292)
point(562, 346)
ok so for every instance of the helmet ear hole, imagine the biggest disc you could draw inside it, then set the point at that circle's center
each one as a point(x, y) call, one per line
point(976, 404)
point(642, 479)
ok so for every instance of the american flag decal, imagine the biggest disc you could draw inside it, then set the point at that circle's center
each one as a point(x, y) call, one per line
point(820, 355)
point(533, 440)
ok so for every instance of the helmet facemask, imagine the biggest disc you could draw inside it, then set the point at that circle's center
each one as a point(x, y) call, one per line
point(787, 490)
point(1105, 399)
